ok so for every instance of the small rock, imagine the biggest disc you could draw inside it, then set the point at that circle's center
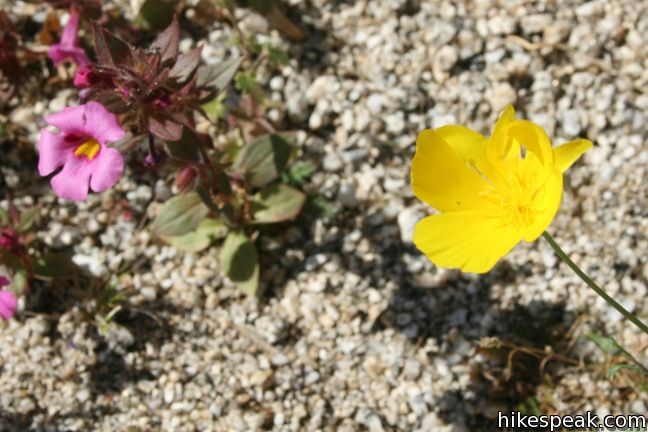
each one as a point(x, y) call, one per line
point(83, 395)
point(446, 57)
point(407, 220)
point(535, 23)
point(375, 103)
point(332, 162)
point(347, 195)
point(501, 96)
point(502, 25)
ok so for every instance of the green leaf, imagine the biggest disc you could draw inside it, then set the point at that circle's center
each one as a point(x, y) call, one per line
point(180, 215)
point(55, 265)
point(263, 159)
point(215, 109)
point(200, 238)
point(277, 203)
point(157, 13)
point(299, 172)
point(247, 83)
point(220, 75)
point(4, 217)
point(240, 262)
point(614, 370)
point(20, 282)
point(531, 406)
point(15, 271)
point(28, 219)
point(320, 206)
point(608, 345)
point(187, 148)
point(277, 56)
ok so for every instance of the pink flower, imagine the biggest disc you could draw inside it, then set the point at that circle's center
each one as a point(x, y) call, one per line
point(8, 301)
point(69, 47)
point(80, 148)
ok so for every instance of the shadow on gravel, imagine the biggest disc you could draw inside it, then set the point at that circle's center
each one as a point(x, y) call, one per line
point(508, 369)
point(459, 301)
point(134, 329)
point(111, 373)
point(13, 422)
point(526, 346)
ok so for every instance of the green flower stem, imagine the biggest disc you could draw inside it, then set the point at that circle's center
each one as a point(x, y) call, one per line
point(563, 256)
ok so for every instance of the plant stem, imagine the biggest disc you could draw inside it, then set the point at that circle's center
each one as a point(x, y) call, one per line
point(563, 256)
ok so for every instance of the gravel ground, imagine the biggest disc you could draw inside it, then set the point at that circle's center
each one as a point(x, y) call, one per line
point(356, 330)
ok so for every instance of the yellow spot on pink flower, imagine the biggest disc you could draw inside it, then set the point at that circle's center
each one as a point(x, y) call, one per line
point(88, 149)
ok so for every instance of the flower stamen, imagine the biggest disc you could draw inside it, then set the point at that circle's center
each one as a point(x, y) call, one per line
point(89, 149)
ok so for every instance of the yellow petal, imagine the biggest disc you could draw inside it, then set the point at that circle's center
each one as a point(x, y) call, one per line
point(509, 135)
point(470, 241)
point(566, 154)
point(545, 205)
point(471, 146)
point(499, 143)
point(506, 118)
point(532, 137)
point(442, 178)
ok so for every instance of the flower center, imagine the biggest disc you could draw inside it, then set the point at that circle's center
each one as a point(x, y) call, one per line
point(89, 149)
point(518, 208)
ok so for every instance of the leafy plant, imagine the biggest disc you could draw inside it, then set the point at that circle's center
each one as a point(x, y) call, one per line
point(621, 364)
point(159, 96)
point(15, 235)
point(226, 192)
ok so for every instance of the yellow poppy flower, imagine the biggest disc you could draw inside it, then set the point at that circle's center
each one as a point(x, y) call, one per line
point(491, 192)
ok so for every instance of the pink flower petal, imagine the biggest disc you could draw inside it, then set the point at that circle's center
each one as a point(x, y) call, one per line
point(68, 120)
point(52, 152)
point(59, 53)
point(107, 168)
point(8, 304)
point(70, 36)
point(72, 182)
point(68, 47)
point(102, 124)
point(4, 281)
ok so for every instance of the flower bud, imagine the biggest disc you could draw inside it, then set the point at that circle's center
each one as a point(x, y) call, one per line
point(9, 239)
point(84, 77)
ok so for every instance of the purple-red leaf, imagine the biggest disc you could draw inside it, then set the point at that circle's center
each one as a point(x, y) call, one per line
point(111, 50)
point(112, 100)
point(167, 42)
point(165, 128)
point(186, 65)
